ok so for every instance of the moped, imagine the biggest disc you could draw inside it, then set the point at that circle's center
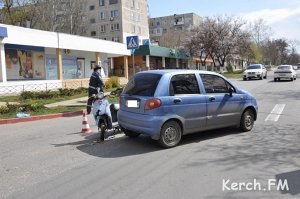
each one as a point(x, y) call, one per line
point(105, 115)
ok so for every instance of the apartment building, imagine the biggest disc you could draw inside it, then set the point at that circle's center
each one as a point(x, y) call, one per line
point(177, 23)
point(114, 20)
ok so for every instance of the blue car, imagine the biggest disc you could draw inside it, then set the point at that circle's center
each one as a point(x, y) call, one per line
point(167, 104)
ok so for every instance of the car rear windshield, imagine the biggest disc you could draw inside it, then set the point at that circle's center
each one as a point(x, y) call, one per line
point(143, 84)
point(254, 67)
point(284, 67)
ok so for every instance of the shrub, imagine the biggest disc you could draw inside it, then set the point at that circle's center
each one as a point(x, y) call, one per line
point(115, 81)
point(108, 84)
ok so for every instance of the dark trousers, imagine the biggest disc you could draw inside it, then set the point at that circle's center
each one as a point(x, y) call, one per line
point(90, 100)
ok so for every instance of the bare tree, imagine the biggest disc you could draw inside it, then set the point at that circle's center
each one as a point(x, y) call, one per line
point(260, 31)
point(51, 15)
point(217, 38)
point(172, 39)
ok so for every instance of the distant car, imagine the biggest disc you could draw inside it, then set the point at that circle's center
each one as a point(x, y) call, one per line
point(255, 71)
point(286, 72)
point(167, 104)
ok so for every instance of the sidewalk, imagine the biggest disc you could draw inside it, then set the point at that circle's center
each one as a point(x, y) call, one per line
point(74, 102)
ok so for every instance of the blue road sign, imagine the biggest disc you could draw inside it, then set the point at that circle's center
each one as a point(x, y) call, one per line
point(132, 42)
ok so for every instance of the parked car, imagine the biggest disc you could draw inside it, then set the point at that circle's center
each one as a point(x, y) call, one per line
point(166, 104)
point(285, 72)
point(255, 71)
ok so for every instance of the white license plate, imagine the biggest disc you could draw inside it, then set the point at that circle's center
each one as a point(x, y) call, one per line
point(132, 104)
point(282, 75)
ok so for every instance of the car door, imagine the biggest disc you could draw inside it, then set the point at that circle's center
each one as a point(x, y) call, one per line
point(187, 103)
point(223, 107)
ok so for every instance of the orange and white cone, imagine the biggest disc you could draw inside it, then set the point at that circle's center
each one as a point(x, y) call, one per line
point(85, 125)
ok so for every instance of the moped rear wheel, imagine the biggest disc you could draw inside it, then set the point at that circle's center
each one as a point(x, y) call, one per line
point(102, 132)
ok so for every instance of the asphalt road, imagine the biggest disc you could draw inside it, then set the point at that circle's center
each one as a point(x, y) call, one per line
point(50, 159)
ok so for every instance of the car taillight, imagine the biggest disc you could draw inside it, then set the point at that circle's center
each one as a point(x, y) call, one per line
point(152, 104)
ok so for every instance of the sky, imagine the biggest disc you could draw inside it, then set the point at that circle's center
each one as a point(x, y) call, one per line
point(282, 16)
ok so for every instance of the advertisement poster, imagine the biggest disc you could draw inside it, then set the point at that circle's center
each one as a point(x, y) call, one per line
point(69, 67)
point(51, 68)
point(19, 64)
point(80, 68)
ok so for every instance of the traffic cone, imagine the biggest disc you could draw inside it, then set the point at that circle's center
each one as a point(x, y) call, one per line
point(85, 125)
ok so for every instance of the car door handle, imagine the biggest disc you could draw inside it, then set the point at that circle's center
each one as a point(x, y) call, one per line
point(212, 99)
point(177, 100)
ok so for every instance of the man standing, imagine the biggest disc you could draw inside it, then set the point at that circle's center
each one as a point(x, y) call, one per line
point(95, 85)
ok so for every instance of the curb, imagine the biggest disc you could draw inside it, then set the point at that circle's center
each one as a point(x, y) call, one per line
point(40, 117)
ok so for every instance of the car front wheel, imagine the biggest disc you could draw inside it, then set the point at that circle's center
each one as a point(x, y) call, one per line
point(170, 134)
point(247, 121)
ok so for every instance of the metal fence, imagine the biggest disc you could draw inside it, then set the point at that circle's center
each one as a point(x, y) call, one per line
point(19, 88)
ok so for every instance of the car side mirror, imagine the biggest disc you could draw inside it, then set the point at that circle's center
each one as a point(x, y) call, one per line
point(230, 90)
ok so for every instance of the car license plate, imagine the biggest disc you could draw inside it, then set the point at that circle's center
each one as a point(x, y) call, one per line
point(132, 104)
point(282, 75)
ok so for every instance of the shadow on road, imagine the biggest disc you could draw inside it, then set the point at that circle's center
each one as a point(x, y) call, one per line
point(122, 146)
point(293, 181)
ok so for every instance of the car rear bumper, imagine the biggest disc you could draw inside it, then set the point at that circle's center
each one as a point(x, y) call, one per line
point(144, 124)
point(283, 75)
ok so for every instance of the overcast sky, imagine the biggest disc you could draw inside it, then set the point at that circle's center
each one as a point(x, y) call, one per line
point(282, 16)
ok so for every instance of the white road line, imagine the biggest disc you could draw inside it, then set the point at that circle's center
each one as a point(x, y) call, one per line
point(275, 113)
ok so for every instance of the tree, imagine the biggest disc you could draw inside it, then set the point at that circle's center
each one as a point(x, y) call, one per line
point(50, 15)
point(259, 31)
point(218, 37)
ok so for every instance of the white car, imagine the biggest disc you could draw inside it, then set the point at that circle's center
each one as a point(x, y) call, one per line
point(285, 72)
point(255, 71)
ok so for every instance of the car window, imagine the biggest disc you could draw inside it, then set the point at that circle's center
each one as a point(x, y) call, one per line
point(143, 84)
point(215, 84)
point(284, 67)
point(254, 67)
point(184, 84)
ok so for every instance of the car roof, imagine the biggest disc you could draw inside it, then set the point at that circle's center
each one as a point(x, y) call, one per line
point(177, 71)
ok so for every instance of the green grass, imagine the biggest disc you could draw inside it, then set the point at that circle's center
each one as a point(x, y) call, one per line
point(235, 74)
point(45, 111)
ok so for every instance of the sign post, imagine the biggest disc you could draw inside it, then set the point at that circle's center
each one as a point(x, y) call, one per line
point(132, 44)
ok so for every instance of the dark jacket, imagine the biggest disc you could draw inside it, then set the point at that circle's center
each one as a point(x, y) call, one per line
point(96, 81)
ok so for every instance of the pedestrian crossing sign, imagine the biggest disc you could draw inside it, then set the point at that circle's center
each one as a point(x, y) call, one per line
point(132, 42)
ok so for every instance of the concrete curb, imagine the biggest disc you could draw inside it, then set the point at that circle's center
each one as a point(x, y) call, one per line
point(40, 117)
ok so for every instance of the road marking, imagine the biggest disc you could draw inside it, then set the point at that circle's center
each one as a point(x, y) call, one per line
point(275, 113)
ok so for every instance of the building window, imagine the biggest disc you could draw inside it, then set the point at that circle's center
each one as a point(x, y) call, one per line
point(93, 33)
point(132, 16)
point(158, 23)
point(92, 20)
point(164, 30)
point(132, 28)
point(83, 18)
point(158, 31)
point(132, 3)
point(139, 30)
point(114, 13)
point(178, 28)
point(101, 2)
point(103, 28)
point(115, 39)
point(115, 26)
point(92, 7)
point(113, 2)
point(102, 15)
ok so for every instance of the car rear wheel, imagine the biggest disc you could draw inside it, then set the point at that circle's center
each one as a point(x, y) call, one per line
point(247, 121)
point(275, 79)
point(170, 134)
point(266, 76)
